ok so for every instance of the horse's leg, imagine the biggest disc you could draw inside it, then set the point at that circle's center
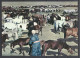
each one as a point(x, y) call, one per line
point(67, 36)
point(56, 28)
point(12, 46)
point(64, 34)
point(20, 49)
point(3, 47)
point(30, 49)
point(13, 35)
point(44, 50)
point(59, 52)
point(41, 31)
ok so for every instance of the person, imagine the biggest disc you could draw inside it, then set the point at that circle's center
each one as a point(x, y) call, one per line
point(48, 18)
point(52, 19)
point(20, 30)
point(34, 41)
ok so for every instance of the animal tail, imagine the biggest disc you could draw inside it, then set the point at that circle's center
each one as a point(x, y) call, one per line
point(11, 45)
point(64, 33)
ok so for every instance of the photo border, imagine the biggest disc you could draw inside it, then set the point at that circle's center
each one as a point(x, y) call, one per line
point(41, 56)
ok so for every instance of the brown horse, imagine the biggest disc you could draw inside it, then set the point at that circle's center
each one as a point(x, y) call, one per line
point(40, 19)
point(55, 45)
point(71, 31)
point(21, 42)
point(4, 37)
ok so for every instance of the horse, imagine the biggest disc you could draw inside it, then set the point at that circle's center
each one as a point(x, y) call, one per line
point(4, 37)
point(60, 23)
point(71, 31)
point(10, 25)
point(4, 15)
point(39, 19)
point(21, 42)
point(71, 16)
point(18, 19)
point(55, 45)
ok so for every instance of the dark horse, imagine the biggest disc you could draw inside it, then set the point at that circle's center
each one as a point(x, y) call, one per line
point(55, 45)
point(4, 37)
point(21, 42)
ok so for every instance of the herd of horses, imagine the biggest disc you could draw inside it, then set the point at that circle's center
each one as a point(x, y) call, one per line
point(44, 44)
point(60, 24)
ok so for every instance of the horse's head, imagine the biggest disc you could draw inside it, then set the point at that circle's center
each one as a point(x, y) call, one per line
point(27, 40)
point(42, 42)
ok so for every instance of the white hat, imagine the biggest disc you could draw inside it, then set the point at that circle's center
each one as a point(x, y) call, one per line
point(31, 19)
point(35, 23)
point(33, 31)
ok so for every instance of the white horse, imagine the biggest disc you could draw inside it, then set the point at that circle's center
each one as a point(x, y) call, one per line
point(46, 10)
point(4, 15)
point(9, 19)
point(10, 25)
point(70, 23)
point(70, 10)
point(59, 23)
point(18, 19)
point(23, 25)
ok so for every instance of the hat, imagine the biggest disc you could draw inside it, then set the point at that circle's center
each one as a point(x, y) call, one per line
point(35, 23)
point(33, 31)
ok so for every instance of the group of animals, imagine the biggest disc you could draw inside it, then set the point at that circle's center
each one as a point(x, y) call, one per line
point(60, 23)
point(44, 44)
